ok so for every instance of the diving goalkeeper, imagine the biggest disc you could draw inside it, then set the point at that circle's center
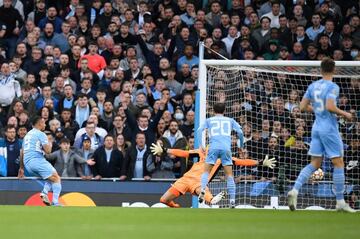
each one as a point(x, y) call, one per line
point(190, 181)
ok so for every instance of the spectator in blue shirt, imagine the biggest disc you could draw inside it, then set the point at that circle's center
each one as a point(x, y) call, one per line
point(188, 57)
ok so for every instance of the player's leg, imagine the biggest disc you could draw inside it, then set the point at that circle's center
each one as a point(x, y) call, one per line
point(334, 150)
point(43, 169)
point(316, 151)
point(208, 165)
point(230, 184)
point(169, 196)
point(226, 161)
point(208, 197)
point(44, 193)
point(303, 177)
point(56, 187)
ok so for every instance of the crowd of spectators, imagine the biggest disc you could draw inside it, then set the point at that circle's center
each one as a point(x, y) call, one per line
point(112, 77)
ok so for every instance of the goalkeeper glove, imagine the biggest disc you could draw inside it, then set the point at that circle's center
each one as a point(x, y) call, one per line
point(270, 163)
point(157, 149)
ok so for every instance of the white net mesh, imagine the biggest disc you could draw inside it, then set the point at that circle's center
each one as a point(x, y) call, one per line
point(264, 100)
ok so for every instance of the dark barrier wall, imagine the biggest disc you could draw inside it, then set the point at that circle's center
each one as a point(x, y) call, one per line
point(87, 193)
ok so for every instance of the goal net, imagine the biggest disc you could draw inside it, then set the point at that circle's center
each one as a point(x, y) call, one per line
point(264, 97)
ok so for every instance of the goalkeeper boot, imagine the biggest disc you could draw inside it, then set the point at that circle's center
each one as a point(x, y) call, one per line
point(45, 199)
point(218, 198)
point(292, 199)
point(201, 196)
point(344, 207)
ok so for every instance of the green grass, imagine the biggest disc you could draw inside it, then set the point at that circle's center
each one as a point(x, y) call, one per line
point(148, 223)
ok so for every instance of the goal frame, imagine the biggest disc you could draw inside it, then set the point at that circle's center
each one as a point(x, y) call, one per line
point(201, 93)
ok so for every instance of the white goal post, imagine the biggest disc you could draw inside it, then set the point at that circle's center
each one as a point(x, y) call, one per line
point(250, 88)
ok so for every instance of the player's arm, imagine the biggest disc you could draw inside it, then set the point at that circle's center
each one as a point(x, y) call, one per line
point(240, 134)
point(270, 163)
point(305, 105)
point(157, 149)
point(47, 148)
point(199, 133)
point(46, 144)
point(331, 104)
point(21, 169)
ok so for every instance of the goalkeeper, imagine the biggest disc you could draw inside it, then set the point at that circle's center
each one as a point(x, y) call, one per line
point(190, 181)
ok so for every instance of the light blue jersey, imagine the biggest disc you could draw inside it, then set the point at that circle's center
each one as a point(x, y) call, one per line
point(318, 93)
point(325, 137)
point(33, 142)
point(219, 130)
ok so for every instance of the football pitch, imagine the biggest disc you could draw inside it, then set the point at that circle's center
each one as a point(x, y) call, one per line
point(158, 223)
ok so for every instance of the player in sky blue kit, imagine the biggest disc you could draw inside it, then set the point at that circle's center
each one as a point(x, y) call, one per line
point(320, 98)
point(34, 146)
point(219, 130)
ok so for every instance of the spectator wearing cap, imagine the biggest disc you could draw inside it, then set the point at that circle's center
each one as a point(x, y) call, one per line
point(51, 17)
point(58, 133)
point(109, 161)
point(9, 86)
point(311, 52)
point(316, 28)
point(273, 52)
point(261, 35)
point(274, 14)
point(284, 53)
point(86, 152)
point(65, 159)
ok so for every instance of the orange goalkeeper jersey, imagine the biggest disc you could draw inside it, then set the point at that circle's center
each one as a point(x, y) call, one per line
point(197, 169)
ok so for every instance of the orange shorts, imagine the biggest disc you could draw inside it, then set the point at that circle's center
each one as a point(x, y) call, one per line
point(184, 185)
